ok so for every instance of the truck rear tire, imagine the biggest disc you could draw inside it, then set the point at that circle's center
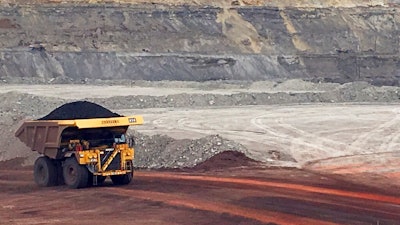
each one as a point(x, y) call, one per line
point(122, 179)
point(75, 175)
point(45, 172)
point(59, 168)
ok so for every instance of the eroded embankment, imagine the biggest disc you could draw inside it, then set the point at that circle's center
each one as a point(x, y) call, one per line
point(158, 42)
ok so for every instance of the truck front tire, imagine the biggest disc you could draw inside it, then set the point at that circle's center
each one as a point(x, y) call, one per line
point(75, 175)
point(45, 172)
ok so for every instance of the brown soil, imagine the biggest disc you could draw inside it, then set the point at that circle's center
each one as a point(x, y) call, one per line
point(234, 196)
point(224, 160)
point(228, 188)
point(347, 143)
point(7, 24)
point(13, 164)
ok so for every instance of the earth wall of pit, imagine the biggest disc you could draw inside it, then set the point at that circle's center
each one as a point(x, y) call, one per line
point(199, 43)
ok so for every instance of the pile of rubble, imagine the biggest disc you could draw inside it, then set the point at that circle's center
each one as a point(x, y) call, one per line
point(160, 151)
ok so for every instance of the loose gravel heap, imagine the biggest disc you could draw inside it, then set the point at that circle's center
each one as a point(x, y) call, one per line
point(160, 151)
point(14, 108)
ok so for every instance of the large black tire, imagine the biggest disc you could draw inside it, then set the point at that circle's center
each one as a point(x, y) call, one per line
point(75, 175)
point(45, 172)
point(122, 179)
point(59, 168)
point(90, 180)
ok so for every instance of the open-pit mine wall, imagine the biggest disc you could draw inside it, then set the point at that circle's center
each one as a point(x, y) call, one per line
point(50, 42)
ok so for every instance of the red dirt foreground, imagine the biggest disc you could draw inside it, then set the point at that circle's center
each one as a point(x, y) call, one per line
point(227, 189)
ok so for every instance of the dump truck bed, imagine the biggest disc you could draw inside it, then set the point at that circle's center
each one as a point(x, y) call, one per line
point(44, 136)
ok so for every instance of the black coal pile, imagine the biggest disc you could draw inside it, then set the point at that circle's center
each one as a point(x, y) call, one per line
point(79, 110)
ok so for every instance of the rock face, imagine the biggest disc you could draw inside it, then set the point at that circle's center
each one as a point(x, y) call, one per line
point(199, 43)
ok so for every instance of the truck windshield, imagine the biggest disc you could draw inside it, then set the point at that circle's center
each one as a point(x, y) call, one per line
point(120, 139)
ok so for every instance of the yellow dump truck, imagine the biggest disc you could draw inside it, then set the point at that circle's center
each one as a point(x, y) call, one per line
point(81, 152)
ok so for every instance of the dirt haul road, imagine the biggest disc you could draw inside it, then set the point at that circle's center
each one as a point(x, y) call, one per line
point(250, 195)
point(347, 154)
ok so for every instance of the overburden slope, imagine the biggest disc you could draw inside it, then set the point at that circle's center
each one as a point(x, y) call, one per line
point(197, 41)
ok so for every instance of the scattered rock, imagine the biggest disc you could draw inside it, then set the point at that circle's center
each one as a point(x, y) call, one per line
point(160, 151)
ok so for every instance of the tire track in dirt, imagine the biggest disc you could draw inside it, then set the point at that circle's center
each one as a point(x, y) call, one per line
point(260, 191)
point(382, 163)
point(322, 142)
point(251, 138)
point(263, 135)
point(232, 134)
point(361, 141)
point(14, 182)
point(267, 184)
point(298, 139)
point(389, 141)
point(187, 191)
point(272, 130)
point(194, 203)
point(265, 215)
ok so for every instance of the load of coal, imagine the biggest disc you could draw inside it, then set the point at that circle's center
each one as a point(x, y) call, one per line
point(79, 110)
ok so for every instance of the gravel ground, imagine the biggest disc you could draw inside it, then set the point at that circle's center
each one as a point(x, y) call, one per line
point(160, 151)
